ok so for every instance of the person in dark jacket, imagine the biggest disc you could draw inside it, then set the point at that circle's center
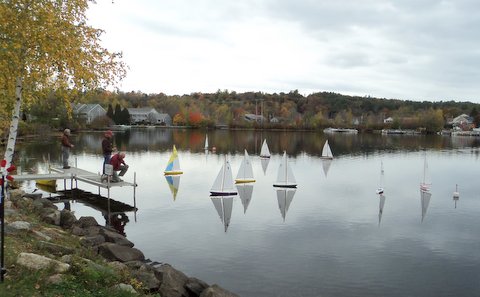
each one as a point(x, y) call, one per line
point(118, 164)
point(107, 148)
point(66, 146)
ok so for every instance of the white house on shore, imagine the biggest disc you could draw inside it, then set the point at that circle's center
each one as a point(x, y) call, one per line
point(89, 112)
point(148, 115)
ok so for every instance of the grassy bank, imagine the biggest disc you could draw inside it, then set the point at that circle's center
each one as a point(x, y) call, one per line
point(89, 274)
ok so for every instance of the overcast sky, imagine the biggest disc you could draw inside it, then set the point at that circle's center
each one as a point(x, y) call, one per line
point(405, 49)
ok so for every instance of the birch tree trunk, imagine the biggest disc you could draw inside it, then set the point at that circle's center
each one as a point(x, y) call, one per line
point(12, 135)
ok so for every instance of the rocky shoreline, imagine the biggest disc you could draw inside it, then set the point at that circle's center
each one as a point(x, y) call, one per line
point(119, 252)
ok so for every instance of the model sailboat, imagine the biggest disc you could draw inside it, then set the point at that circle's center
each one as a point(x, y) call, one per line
point(173, 166)
point(224, 206)
point(380, 189)
point(456, 195)
point(264, 152)
point(245, 172)
point(224, 185)
point(327, 152)
point(206, 142)
point(285, 177)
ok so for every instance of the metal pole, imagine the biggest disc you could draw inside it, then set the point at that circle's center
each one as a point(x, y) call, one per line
point(134, 199)
point(2, 214)
point(108, 201)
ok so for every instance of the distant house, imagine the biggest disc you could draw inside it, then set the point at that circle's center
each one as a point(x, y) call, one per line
point(388, 120)
point(88, 112)
point(250, 117)
point(163, 119)
point(462, 122)
point(148, 115)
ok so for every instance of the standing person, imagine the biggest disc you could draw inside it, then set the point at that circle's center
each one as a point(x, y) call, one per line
point(118, 163)
point(66, 146)
point(107, 148)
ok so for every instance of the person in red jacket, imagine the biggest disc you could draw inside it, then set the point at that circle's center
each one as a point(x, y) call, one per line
point(118, 163)
point(66, 146)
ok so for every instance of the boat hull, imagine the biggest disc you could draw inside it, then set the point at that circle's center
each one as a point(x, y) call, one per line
point(285, 185)
point(244, 181)
point(223, 193)
point(173, 172)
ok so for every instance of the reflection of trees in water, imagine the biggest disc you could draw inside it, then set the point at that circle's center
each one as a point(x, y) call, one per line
point(234, 142)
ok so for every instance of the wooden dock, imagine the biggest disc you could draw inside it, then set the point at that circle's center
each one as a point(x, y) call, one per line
point(77, 174)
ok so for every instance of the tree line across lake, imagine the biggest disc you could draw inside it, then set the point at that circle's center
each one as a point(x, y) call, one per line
point(290, 110)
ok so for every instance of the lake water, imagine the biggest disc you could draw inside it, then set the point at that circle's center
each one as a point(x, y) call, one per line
point(337, 237)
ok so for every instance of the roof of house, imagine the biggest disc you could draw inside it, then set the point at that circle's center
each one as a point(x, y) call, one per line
point(81, 108)
point(141, 110)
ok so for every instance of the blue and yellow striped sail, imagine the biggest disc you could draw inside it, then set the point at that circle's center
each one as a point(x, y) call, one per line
point(173, 165)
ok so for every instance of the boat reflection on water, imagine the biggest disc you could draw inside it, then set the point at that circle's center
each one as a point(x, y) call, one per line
point(173, 182)
point(425, 201)
point(380, 207)
point(326, 166)
point(245, 192)
point(223, 205)
point(264, 162)
point(285, 197)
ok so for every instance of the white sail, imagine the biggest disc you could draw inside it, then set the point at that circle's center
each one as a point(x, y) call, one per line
point(245, 192)
point(245, 172)
point(285, 177)
point(224, 184)
point(425, 201)
point(206, 141)
point(285, 197)
point(224, 206)
point(265, 152)
point(380, 189)
point(327, 152)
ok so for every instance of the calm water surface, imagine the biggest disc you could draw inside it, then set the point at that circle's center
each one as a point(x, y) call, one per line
point(335, 238)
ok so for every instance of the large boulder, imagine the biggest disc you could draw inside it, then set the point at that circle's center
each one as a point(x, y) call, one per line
point(115, 252)
point(67, 218)
point(55, 249)
point(173, 281)
point(85, 222)
point(195, 286)
point(38, 262)
point(51, 216)
point(111, 236)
